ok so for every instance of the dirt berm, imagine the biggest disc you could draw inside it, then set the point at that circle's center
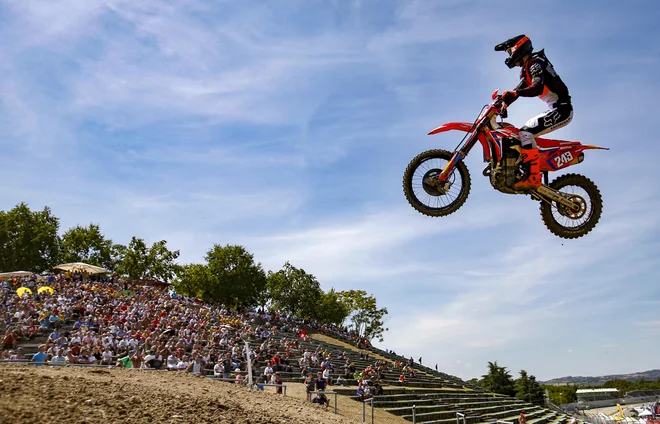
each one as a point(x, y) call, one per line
point(42, 395)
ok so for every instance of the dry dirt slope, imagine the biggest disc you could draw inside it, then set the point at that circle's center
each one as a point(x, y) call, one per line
point(42, 395)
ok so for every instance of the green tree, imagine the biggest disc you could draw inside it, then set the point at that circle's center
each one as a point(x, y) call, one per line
point(233, 278)
point(117, 255)
point(28, 240)
point(536, 392)
point(295, 292)
point(89, 245)
point(474, 381)
point(622, 385)
point(368, 320)
point(155, 262)
point(191, 281)
point(333, 310)
point(522, 387)
point(498, 380)
point(561, 394)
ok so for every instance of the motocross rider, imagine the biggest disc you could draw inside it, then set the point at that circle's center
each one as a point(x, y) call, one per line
point(537, 78)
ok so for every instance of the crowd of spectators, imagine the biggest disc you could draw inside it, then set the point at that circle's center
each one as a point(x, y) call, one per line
point(108, 321)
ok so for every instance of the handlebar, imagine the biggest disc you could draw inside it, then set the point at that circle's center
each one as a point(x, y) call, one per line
point(499, 103)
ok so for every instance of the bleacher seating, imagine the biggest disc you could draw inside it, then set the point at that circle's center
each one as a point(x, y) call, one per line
point(436, 397)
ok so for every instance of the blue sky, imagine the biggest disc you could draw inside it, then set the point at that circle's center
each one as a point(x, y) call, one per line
point(286, 127)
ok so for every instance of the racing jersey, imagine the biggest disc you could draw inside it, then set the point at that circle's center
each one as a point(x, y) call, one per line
point(539, 78)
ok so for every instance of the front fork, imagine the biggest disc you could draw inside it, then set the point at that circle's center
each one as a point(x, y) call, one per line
point(440, 182)
point(450, 166)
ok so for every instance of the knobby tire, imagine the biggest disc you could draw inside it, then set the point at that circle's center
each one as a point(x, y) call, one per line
point(594, 197)
point(410, 194)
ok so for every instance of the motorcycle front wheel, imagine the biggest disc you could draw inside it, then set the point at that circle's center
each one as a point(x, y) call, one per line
point(428, 199)
point(571, 224)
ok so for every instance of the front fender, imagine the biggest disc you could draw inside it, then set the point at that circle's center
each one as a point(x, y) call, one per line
point(450, 126)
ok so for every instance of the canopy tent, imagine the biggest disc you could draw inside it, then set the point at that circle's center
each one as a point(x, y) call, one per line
point(81, 267)
point(5, 275)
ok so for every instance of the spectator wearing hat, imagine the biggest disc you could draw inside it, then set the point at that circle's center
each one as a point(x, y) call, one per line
point(238, 377)
point(40, 357)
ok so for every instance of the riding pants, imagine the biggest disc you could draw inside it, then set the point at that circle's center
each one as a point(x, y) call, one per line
point(544, 123)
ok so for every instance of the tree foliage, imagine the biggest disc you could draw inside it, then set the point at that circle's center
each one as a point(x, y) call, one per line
point(88, 245)
point(528, 389)
point(498, 380)
point(155, 262)
point(191, 281)
point(333, 309)
point(28, 240)
point(561, 394)
point(368, 320)
point(295, 292)
point(234, 279)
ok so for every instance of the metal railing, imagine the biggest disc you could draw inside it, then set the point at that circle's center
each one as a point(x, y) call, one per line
point(460, 416)
point(364, 410)
point(323, 392)
point(610, 419)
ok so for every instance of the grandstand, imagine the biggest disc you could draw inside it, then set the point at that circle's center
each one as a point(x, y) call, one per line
point(188, 329)
point(642, 393)
point(593, 395)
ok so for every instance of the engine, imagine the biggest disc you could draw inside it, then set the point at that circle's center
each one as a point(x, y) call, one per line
point(505, 173)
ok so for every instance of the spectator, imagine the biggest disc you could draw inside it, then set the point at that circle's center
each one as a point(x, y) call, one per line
point(309, 386)
point(40, 357)
point(278, 380)
point(321, 399)
point(218, 370)
point(238, 379)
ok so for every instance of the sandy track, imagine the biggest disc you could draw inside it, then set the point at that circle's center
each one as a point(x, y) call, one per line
point(70, 395)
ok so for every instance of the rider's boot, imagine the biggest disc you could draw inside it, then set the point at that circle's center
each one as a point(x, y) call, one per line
point(530, 156)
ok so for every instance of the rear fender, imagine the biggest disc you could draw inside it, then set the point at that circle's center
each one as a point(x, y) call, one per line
point(450, 126)
point(565, 155)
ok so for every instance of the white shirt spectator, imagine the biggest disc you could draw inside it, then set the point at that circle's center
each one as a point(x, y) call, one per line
point(58, 359)
point(268, 371)
point(182, 365)
point(172, 361)
point(218, 369)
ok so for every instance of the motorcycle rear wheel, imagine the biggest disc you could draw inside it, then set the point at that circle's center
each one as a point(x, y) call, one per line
point(569, 224)
point(430, 164)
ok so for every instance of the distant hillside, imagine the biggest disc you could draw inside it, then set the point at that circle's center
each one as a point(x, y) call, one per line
point(651, 375)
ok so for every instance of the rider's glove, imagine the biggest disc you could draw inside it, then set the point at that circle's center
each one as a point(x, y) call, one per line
point(509, 97)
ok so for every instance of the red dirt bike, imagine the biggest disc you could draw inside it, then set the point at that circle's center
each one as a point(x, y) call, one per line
point(437, 182)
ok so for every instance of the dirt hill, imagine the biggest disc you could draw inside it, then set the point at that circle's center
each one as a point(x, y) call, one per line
point(42, 395)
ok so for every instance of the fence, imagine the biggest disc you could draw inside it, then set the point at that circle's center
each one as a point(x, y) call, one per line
point(604, 419)
point(577, 406)
point(322, 392)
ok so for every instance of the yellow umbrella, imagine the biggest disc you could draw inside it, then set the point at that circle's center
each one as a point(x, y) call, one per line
point(46, 289)
point(22, 290)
